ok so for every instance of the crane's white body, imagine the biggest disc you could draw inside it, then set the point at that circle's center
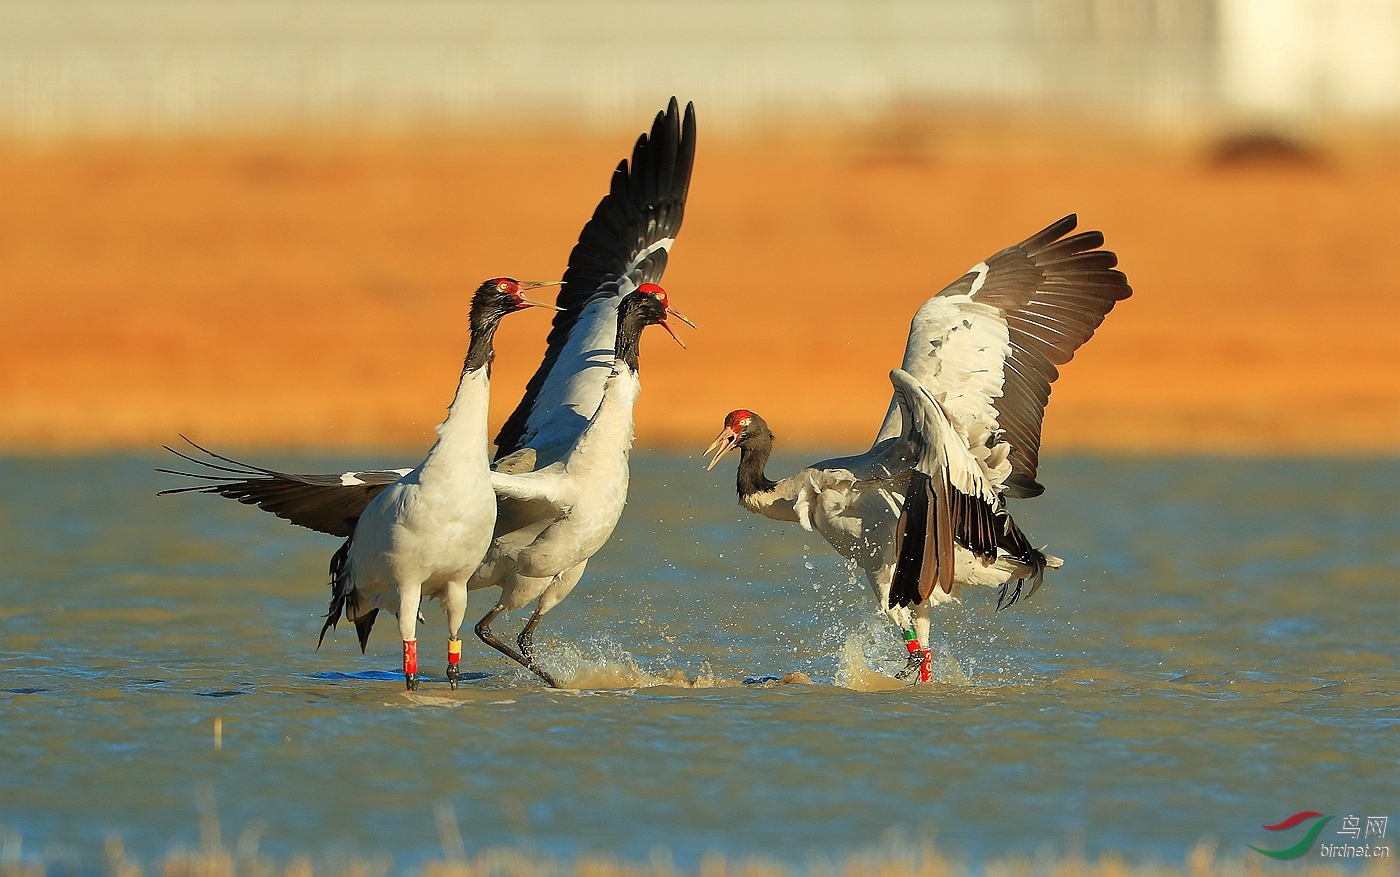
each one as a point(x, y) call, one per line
point(553, 519)
point(426, 533)
point(957, 347)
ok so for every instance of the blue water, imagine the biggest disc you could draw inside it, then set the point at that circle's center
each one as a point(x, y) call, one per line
point(1219, 651)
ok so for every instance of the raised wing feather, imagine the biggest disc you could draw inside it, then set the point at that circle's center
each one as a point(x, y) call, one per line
point(956, 350)
point(624, 245)
point(325, 503)
point(1048, 294)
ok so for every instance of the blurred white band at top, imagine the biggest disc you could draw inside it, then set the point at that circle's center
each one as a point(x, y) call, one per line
point(162, 66)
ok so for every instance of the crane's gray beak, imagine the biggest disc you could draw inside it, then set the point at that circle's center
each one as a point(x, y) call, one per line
point(728, 440)
point(672, 332)
point(538, 284)
point(671, 312)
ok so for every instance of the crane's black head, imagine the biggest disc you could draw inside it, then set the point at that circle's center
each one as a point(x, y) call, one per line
point(646, 306)
point(493, 300)
point(748, 432)
point(504, 295)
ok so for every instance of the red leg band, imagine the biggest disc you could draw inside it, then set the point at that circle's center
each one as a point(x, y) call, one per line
point(410, 656)
point(913, 647)
point(454, 651)
point(926, 668)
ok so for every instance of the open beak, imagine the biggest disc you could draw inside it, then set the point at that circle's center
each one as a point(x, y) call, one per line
point(537, 284)
point(679, 316)
point(728, 440)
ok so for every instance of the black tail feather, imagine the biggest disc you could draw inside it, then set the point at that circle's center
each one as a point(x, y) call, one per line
point(985, 530)
point(363, 625)
point(975, 525)
point(1014, 542)
point(911, 536)
point(339, 594)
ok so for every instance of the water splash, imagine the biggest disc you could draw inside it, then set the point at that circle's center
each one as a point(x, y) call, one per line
point(863, 663)
point(605, 665)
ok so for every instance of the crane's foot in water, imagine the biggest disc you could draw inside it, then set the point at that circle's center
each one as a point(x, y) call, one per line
point(483, 632)
point(410, 664)
point(914, 662)
point(921, 664)
point(920, 659)
point(911, 642)
point(543, 674)
point(454, 658)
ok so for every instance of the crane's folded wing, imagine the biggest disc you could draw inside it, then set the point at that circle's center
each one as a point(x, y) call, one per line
point(549, 485)
point(948, 499)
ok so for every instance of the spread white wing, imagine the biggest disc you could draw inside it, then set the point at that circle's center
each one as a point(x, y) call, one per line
point(624, 245)
point(987, 346)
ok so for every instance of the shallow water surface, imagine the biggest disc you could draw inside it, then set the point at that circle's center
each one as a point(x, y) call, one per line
point(1219, 651)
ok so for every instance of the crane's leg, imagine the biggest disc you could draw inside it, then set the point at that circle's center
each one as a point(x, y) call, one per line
point(409, 598)
point(923, 619)
point(553, 595)
point(915, 640)
point(916, 654)
point(526, 641)
point(881, 579)
point(454, 603)
point(483, 631)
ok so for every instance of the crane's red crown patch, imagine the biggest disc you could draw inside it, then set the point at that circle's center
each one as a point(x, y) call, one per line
point(737, 418)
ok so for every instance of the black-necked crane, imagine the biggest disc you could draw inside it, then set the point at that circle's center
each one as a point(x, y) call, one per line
point(575, 420)
point(622, 249)
point(554, 517)
point(419, 533)
point(923, 511)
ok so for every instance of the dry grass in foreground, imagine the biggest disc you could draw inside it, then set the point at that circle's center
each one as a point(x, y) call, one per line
point(892, 859)
point(313, 292)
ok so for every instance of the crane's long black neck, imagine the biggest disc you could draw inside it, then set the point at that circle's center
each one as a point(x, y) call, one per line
point(486, 316)
point(753, 459)
point(630, 323)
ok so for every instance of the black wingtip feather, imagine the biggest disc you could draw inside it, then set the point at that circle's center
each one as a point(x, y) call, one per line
point(1020, 486)
point(243, 471)
point(1051, 233)
point(246, 466)
point(1055, 289)
point(645, 203)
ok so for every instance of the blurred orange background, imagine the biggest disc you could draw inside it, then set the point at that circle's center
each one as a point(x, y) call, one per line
point(313, 292)
point(302, 279)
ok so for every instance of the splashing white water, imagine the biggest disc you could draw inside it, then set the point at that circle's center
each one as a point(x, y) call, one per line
point(605, 665)
point(863, 663)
